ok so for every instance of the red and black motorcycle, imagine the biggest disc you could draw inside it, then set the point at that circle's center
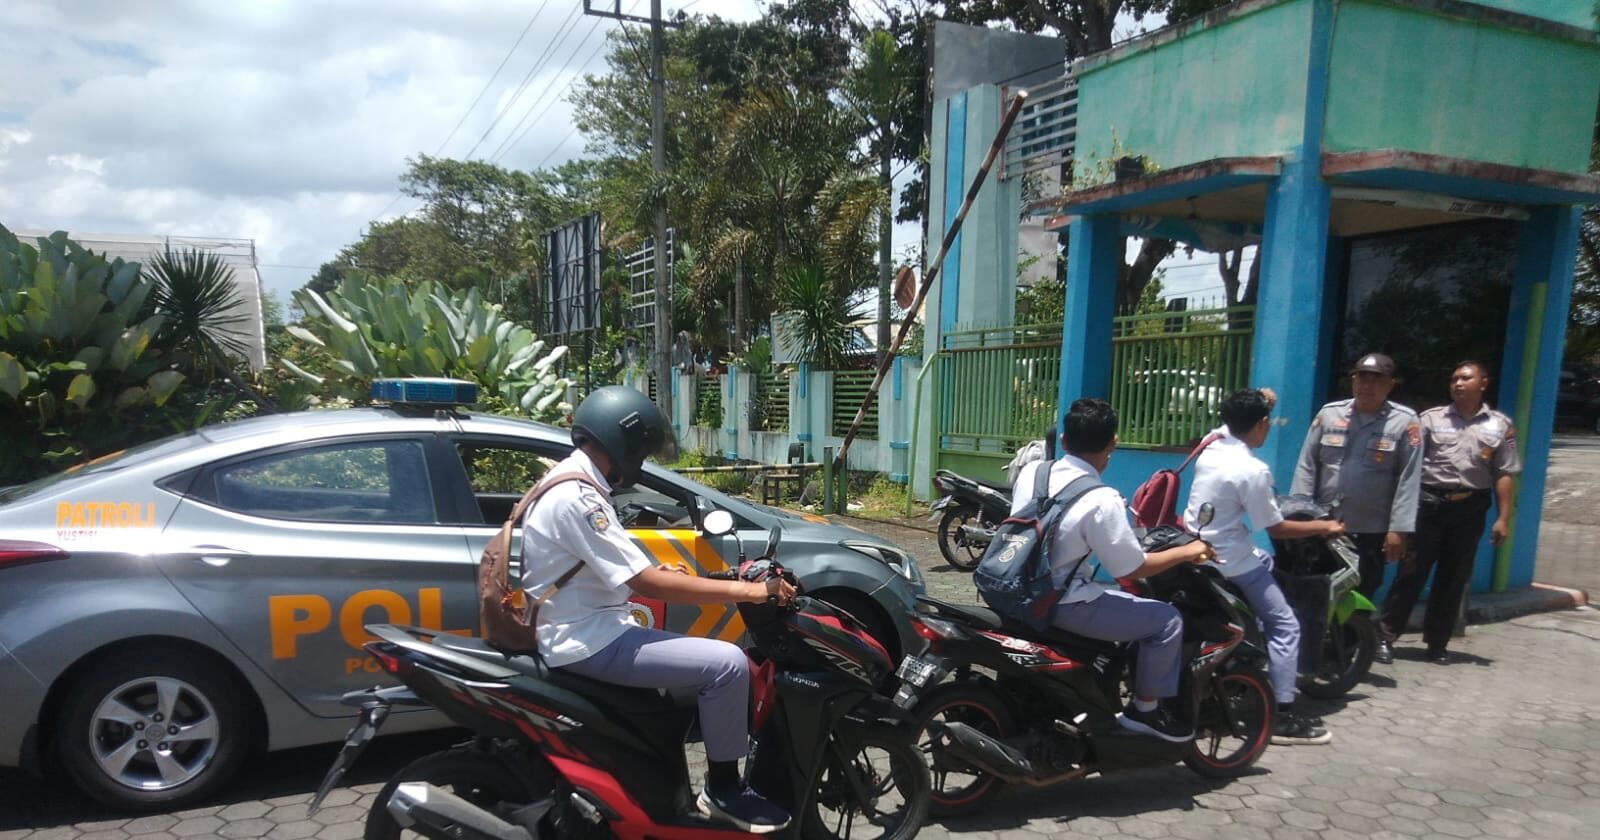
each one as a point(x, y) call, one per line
point(1040, 707)
point(557, 755)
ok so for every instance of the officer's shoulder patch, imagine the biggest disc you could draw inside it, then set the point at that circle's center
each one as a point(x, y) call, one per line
point(598, 519)
point(1414, 434)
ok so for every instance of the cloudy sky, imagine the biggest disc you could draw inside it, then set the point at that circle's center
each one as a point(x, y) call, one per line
point(284, 122)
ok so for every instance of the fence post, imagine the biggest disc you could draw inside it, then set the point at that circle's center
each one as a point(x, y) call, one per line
point(827, 479)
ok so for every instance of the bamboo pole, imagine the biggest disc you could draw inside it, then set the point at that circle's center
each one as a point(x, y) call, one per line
point(933, 271)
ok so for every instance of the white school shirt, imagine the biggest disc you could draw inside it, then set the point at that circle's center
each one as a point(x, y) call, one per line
point(573, 524)
point(1098, 523)
point(1238, 485)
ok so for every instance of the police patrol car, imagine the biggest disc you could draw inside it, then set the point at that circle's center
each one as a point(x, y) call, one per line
point(167, 610)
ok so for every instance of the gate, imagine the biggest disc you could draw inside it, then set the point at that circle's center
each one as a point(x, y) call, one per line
point(996, 390)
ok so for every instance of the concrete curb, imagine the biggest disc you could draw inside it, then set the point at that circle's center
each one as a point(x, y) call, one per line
point(1490, 607)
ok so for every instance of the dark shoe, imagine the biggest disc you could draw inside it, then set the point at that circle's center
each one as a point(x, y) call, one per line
point(1294, 729)
point(1438, 655)
point(1155, 722)
point(1385, 653)
point(744, 809)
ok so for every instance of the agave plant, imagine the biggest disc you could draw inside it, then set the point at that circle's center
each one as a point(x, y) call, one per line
point(81, 373)
point(381, 327)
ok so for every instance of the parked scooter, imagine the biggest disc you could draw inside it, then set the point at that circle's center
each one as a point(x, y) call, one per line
point(968, 513)
point(557, 755)
point(1319, 578)
point(1037, 708)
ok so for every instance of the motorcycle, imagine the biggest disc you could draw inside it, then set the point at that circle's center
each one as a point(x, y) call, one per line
point(968, 513)
point(1319, 577)
point(557, 755)
point(1040, 707)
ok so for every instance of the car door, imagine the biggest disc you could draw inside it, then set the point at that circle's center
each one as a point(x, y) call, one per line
point(496, 470)
point(291, 551)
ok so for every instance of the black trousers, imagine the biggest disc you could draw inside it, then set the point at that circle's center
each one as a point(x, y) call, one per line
point(1447, 540)
point(1369, 547)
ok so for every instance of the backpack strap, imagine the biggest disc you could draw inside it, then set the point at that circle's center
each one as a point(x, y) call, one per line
point(1076, 489)
point(533, 495)
point(1204, 442)
point(1041, 481)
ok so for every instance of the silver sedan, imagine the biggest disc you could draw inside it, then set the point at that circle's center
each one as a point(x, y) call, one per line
point(166, 611)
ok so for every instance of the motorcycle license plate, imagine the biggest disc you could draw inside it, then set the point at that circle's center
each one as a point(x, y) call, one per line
point(918, 672)
point(366, 728)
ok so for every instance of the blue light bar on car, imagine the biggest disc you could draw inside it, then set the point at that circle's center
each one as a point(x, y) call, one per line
point(420, 390)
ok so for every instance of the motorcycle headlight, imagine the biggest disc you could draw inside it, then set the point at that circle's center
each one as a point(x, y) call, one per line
point(904, 564)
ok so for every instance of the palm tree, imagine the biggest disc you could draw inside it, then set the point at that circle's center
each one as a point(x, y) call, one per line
point(876, 90)
point(204, 315)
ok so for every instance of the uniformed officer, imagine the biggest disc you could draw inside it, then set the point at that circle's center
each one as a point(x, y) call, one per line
point(1469, 449)
point(1362, 459)
point(584, 627)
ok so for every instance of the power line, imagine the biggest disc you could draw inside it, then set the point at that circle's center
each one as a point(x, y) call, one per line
point(517, 130)
point(479, 98)
point(548, 105)
point(555, 42)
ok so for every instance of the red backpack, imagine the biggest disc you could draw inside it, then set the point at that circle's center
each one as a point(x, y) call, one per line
point(1156, 500)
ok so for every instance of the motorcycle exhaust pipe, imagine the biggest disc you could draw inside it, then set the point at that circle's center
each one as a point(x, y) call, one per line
point(964, 743)
point(434, 812)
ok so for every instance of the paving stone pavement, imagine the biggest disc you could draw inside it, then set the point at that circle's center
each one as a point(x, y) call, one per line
point(1501, 743)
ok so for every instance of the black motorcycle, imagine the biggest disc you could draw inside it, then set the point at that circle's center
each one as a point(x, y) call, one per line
point(1037, 708)
point(968, 513)
point(557, 755)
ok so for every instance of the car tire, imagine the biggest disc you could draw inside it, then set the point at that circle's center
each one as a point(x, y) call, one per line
point(105, 735)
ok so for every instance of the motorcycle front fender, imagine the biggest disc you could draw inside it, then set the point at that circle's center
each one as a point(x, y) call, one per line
point(1352, 603)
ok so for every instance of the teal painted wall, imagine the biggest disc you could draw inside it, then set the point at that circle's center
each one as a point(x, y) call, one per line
point(1407, 79)
point(1231, 89)
point(1569, 12)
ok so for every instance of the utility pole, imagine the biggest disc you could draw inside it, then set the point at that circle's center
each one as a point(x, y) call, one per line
point(658, 164)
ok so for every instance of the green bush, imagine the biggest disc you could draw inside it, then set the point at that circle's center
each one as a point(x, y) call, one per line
point(81, 371)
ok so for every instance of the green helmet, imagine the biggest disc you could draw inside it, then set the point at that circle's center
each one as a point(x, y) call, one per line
point(628, 426)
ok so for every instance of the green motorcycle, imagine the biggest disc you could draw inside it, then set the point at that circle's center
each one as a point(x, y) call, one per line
point(1319, 578)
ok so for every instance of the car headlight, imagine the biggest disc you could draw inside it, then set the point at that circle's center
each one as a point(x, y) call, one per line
point(904, 564)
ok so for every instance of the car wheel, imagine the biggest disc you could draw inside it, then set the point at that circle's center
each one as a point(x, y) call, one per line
point(153, 730)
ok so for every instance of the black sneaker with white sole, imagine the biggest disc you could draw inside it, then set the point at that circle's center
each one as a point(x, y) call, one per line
point(744, 809)
point(1155, 722)
point(1292, 729)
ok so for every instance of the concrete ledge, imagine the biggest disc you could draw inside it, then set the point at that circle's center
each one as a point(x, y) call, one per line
point(1540, 597)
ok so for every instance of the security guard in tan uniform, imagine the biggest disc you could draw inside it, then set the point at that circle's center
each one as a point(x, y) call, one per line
point(1469, 449)
point(1362, 458)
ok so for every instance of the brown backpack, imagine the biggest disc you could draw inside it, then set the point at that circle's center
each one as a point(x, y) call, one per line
point(508, 619)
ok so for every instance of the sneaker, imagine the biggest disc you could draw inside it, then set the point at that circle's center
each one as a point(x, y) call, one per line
point(1385, 653)
point(744, 809)
point(1155, 722)
point(1293, 729)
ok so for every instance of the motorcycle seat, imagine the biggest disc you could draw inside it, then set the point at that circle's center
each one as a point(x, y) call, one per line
point(987, 619)
point(979, 617)
point(641, 700)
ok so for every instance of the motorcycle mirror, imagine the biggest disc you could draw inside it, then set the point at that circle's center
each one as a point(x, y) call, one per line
point(716, 523)
point(1206, 514)
point(774, 537)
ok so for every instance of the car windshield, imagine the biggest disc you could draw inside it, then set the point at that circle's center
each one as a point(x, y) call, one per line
point(119, 460)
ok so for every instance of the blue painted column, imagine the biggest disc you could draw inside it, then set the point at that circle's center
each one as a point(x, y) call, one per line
point(1536, 332)
point(1093, 257)
point(1293, 331)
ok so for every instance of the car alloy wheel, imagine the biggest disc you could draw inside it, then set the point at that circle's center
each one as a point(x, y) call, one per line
point(153, 733)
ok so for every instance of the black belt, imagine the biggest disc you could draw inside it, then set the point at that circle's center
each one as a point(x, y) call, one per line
point(1455, 494)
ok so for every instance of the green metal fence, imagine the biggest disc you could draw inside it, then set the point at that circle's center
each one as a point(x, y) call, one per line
point(849, 390)
point(708, 403)
point(998, 387)
point(769, 407)
point(1170, 370)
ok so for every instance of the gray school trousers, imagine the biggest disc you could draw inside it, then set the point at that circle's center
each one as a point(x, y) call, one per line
point(1117, 616)
point(718, 671)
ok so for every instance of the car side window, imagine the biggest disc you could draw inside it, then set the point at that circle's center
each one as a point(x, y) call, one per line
point(500, 474)
point(358, 481)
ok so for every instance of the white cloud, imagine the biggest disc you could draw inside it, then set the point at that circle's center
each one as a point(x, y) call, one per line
point(285, 122)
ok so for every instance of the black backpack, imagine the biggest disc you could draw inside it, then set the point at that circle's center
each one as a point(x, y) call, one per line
point(1014, 575)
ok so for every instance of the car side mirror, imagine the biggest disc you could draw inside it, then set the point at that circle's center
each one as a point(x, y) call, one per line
point(717, 523)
